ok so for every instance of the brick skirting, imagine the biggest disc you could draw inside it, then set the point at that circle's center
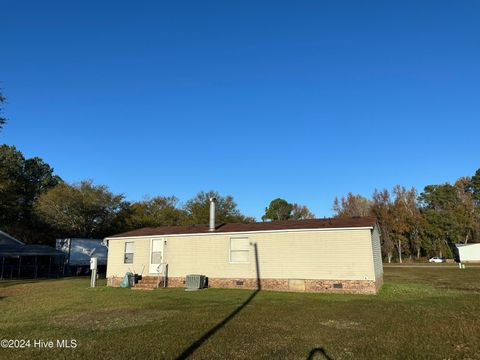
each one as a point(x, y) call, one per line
point(298, 285)
point(341, 286)
point(176, 282)
point(114, 281)
point(308, 285)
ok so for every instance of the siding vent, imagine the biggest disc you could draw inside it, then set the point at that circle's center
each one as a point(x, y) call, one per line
point(239, 282)
point(338, 286)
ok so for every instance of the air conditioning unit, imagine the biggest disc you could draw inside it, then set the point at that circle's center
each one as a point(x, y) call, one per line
point(194, 282)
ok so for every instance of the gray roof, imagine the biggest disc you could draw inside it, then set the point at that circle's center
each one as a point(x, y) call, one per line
point(6, 239)
point(11, 247)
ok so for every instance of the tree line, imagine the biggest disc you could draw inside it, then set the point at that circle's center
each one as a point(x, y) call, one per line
point(416, 224)
point(37, 206)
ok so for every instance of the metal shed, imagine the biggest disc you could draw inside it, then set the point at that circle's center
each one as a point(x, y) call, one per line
point(79, 251)
point(19, 260)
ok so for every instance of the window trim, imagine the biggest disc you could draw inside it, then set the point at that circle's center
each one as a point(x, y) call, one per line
point(230, 250)
point(129, 253)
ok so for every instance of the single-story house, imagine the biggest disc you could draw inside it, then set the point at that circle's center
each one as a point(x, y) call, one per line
point(468, 252)
point(320, 255)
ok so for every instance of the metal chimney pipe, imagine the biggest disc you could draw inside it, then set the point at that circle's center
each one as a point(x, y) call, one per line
point(212, 214)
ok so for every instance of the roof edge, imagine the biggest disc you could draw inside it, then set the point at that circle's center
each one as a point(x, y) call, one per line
point(12, 238)
point(132, 234)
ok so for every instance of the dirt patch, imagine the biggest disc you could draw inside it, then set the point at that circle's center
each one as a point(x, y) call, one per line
point(109, 319)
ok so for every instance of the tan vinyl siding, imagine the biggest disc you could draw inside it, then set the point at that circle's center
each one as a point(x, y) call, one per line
point(116, 251)
point(377, 253)
point(327, 254)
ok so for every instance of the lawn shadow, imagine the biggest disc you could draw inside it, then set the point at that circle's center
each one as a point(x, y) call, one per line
point(199, 342)
point(7, 283)
point(322, 354)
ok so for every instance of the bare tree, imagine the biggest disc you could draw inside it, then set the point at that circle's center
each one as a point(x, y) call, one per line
point(351, 206)
point(382, 209)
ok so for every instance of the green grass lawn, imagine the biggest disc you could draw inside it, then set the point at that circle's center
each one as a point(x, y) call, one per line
point(419, 313)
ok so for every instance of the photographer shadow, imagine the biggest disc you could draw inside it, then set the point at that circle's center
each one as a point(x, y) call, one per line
point(199, 342)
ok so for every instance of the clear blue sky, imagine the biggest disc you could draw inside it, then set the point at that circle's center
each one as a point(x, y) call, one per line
point(303, 100)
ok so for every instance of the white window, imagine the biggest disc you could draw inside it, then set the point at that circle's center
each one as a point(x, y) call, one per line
point(239, 250)
point(128, 256)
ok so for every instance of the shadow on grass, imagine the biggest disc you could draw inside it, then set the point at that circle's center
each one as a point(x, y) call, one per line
point(318, 353)
point(199, 342)
point(8, 283)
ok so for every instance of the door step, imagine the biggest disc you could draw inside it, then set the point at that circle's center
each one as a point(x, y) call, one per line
point(148, 283)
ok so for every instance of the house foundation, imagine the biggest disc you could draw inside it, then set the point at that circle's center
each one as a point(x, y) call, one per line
point(294, 285)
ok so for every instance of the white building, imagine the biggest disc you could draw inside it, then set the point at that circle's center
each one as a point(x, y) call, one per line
point(468, 252)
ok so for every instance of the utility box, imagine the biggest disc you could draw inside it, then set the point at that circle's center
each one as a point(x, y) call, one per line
point(194, 282)
point(93, 263)
point(93, 268)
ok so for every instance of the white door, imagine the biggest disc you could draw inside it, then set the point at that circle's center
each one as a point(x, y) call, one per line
point(156, 256)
